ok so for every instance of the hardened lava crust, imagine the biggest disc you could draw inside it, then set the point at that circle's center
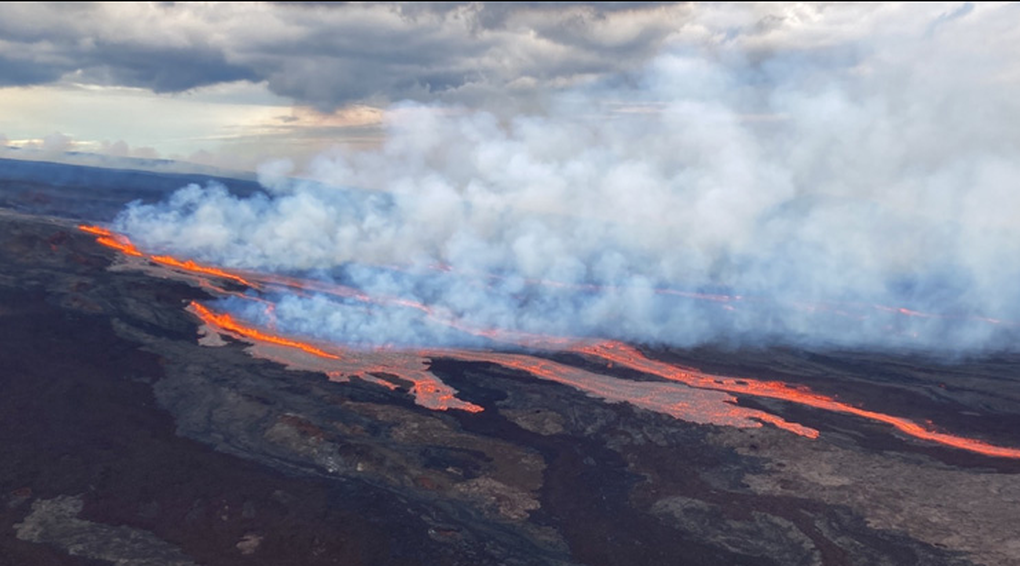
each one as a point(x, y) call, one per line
point(129, 439)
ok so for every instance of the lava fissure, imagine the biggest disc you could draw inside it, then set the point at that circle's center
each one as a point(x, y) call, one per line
point(426, 389)
point(622, 354)
point(429, 391)
point(122, 244)
point(227, 322)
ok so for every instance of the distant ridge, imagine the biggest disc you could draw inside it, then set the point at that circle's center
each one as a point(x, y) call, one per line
point(94, 193)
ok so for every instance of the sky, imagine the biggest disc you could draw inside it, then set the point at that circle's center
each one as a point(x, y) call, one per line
point(593, 165)
point(239, 84)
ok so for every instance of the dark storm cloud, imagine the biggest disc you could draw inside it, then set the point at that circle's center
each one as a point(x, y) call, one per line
point(43, 43)
point(15, 72)
point(178, 69)
point(329, 55)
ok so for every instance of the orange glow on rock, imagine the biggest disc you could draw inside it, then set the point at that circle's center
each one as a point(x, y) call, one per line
point(94, 230)
point(428, 390)
point(673, 399)
point(193, 267)
point(622, 354)
point(401, 369)
point(431, 392)
point(120, 244)
point(111, 240)
point(227, 322)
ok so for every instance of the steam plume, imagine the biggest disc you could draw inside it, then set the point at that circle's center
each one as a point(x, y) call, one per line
point(820, 191)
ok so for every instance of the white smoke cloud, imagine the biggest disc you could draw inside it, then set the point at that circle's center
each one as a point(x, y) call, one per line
point(818, 184)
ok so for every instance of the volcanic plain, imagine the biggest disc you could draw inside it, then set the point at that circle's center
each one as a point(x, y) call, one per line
point(133, 432)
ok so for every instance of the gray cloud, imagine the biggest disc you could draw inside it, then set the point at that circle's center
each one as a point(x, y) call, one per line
point(481, 54)
point(16, 72)
point(330, 55)
point(160, 69)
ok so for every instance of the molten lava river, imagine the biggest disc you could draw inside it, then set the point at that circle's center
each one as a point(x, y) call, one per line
point(683, 393)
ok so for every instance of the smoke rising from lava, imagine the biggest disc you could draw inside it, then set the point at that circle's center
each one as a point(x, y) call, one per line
point(859, 196)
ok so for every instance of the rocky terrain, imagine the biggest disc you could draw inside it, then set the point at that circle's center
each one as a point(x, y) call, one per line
point(127, 441)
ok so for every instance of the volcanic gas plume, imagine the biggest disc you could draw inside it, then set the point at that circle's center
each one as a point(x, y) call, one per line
point(864, 199)
point(683, 393)
point(861, 198)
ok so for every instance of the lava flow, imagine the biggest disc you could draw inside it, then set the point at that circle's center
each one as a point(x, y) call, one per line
point(690, 394)
point(388, 368)
point(684, 403)
point(227, 322)
point(622, 354)
point(428, 390)
point(111, 240)
point(122, 244)
point(193, 267)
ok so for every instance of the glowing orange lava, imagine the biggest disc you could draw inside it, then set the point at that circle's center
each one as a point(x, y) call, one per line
point(427, 390)
point(680, 402)
point(431, 392)
point(121, 243)
point(622, 354)
point(109, 239)
point(228, 322)
point(514, 337)
point(94, 230)
point(193, 267)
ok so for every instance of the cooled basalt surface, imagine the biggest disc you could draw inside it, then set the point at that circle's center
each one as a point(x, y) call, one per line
point(123, 434)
